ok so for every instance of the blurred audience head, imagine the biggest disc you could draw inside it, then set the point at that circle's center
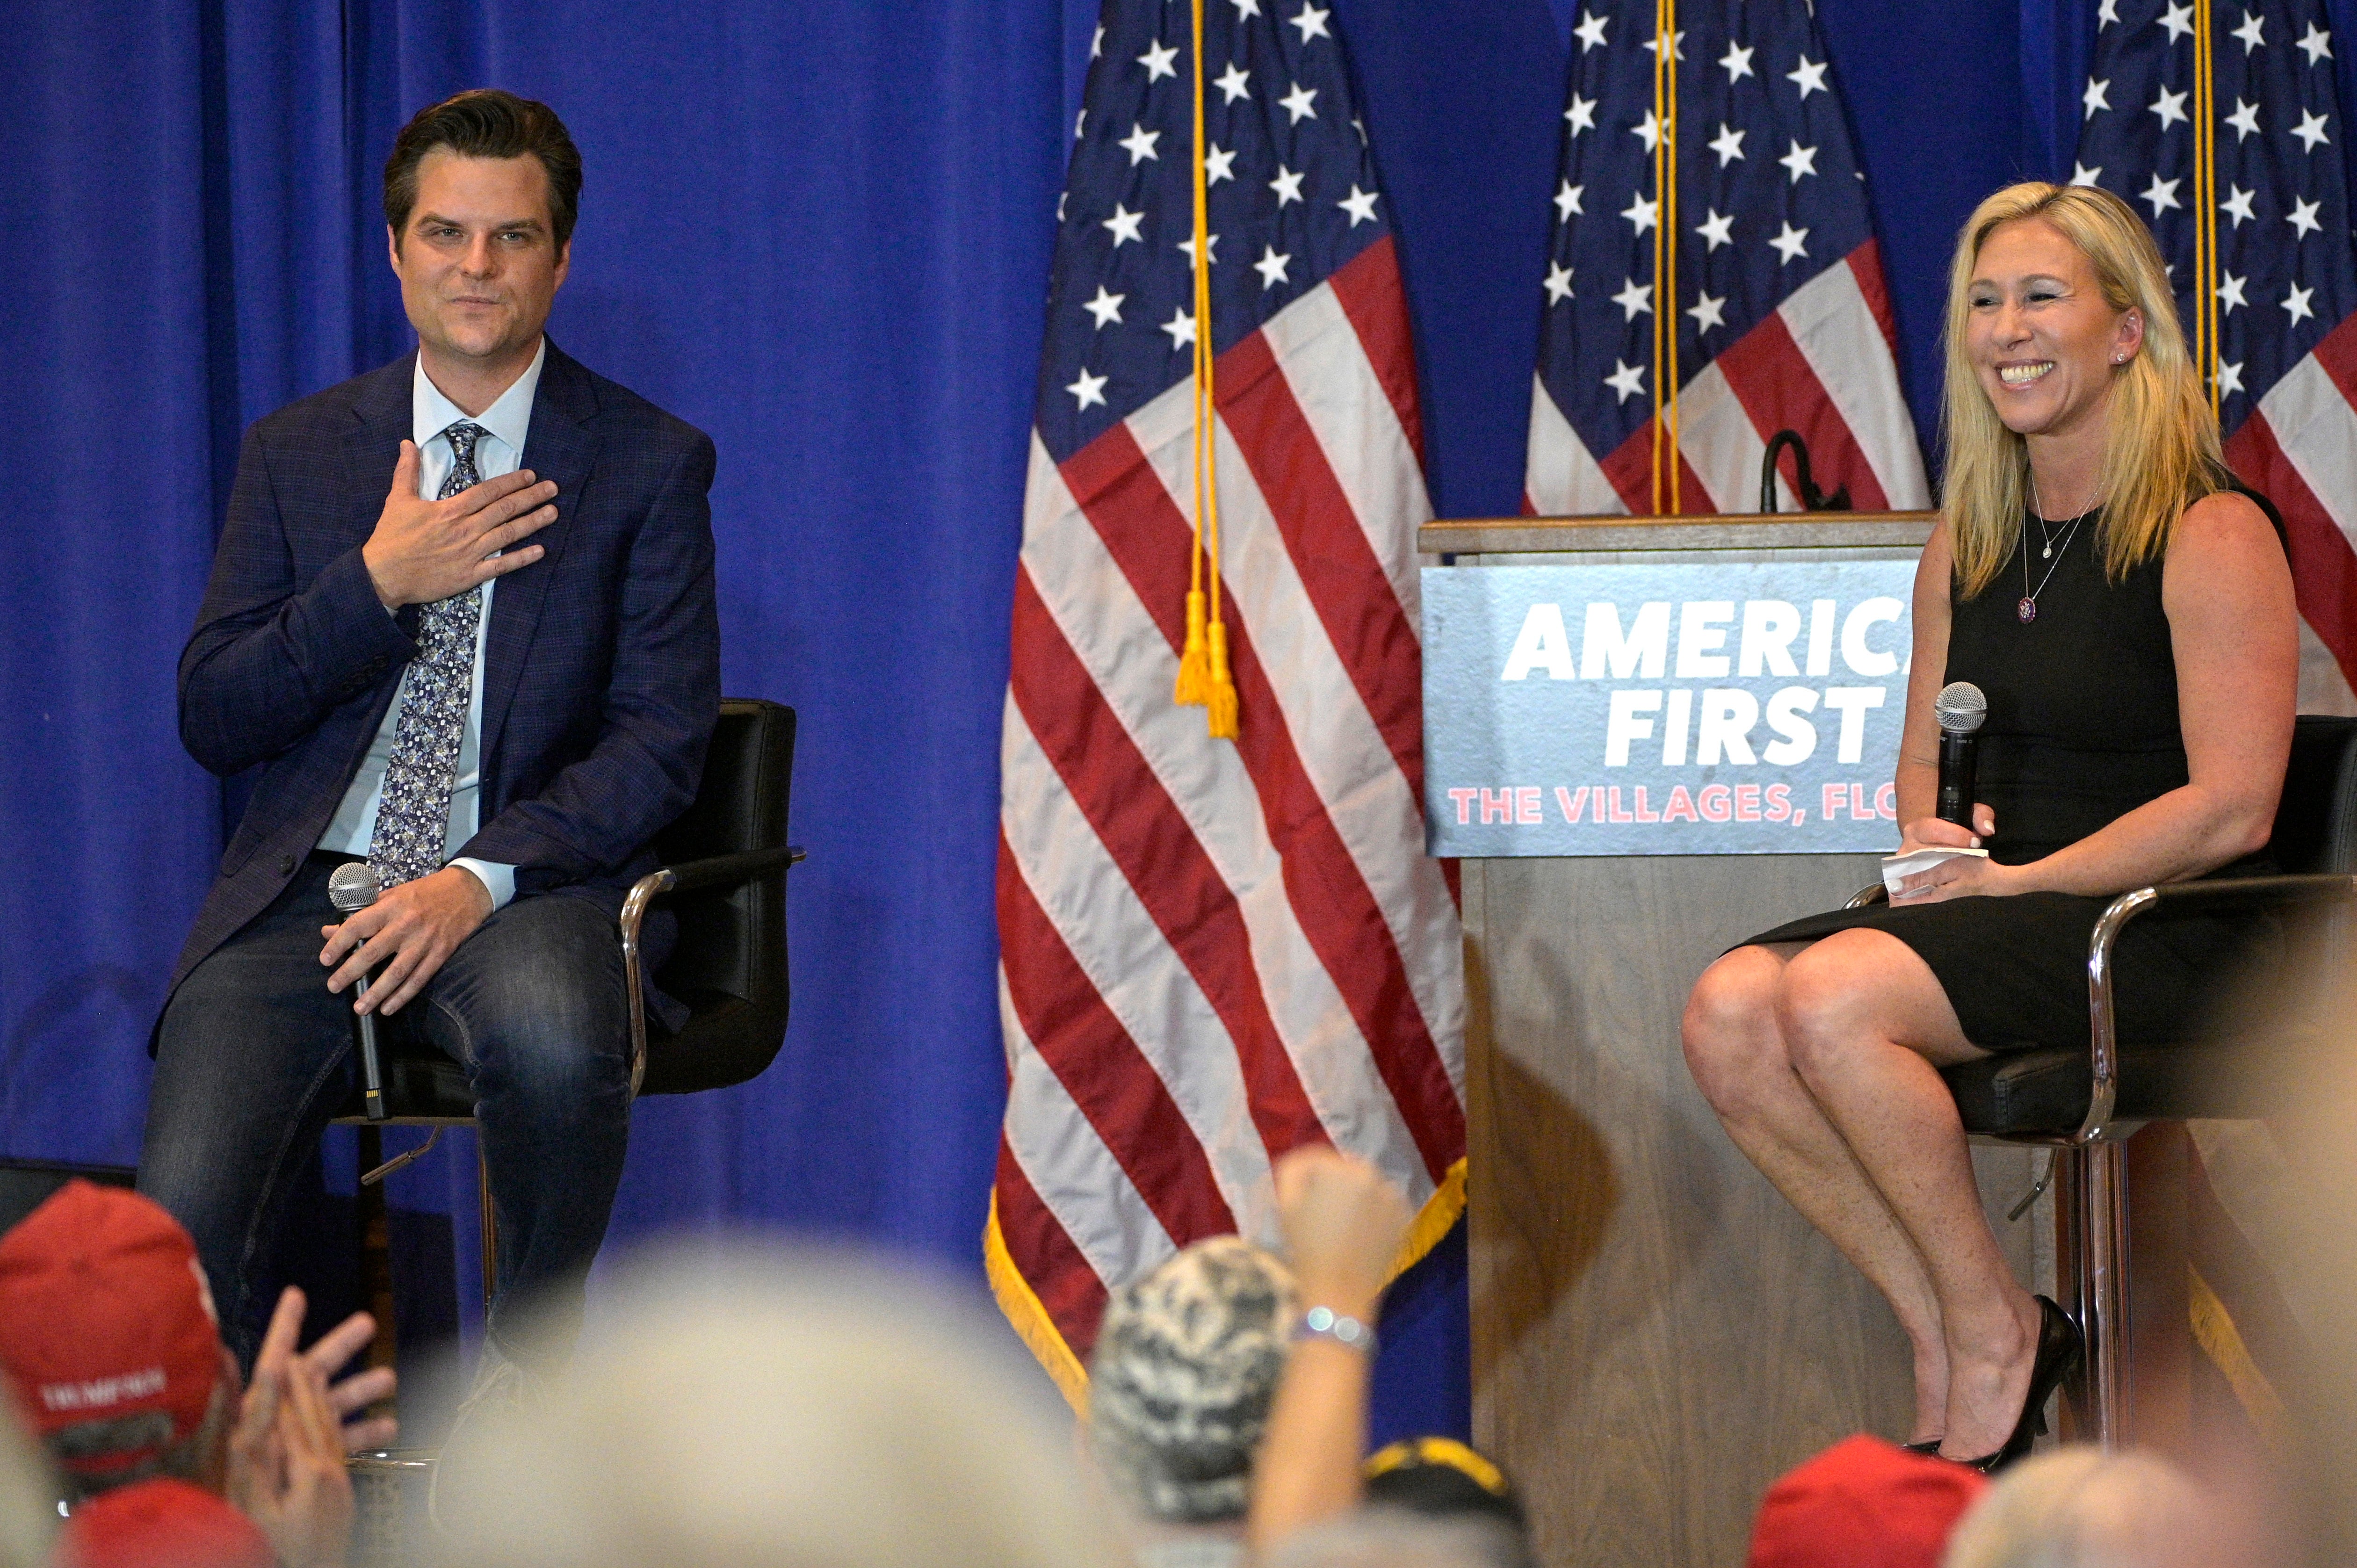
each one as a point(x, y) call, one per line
point(1384, 1537)
point(2300, 1020)
point(1187, 1360)
point(1440, 1478)
point(108, 1338)
point(162, 1523)
point(2081, 1508)
point(1863, 1503)
point(28, 1498)
point(741, 1406)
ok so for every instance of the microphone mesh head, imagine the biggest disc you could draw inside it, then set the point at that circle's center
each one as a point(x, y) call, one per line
point(1959, 707)
point(351, 886)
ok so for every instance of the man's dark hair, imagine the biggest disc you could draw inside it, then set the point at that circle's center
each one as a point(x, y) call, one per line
point(487, 123)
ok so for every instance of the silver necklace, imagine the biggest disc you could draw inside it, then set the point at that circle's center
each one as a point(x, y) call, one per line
point(2027, 608)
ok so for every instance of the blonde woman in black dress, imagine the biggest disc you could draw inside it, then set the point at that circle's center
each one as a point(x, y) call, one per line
point(2130, 618)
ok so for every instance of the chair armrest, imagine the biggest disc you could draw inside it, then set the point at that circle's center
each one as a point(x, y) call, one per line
point(689, 876)
point(723, 869)
point(2261, 890)
point(2101, 1017)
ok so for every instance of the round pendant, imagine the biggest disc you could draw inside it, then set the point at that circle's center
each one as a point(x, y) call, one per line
point(2027, 611)
point(2047, 554)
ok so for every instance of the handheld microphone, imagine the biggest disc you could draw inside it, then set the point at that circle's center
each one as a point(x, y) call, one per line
point(1961, 710)
point(353, 888)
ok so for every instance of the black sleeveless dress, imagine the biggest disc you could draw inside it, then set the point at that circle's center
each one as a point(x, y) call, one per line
point(2082, 729)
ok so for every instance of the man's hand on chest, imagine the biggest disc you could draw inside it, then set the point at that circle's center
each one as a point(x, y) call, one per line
point(424, 551)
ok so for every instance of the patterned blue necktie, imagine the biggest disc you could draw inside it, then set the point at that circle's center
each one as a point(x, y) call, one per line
point(412, 815)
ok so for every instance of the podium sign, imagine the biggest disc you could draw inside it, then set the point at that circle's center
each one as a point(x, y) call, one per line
point(1682, 707)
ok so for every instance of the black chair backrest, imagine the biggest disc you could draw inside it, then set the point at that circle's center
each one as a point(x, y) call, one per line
point(2316, 825)
point(729, 965)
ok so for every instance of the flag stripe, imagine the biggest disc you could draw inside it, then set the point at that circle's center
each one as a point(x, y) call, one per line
point(1350, 779)
point(1134, 818)
point(1062, 1278)
point(1348, 588)
point(1562, 476)
point(1722, 447)
point(1133, 666)
point(2324, 573)
point(1865, 266)
point(1780, 390)
point(1070, 1165)
point(1140, 525)
point(1101, 1067)
point(1334, 383)
point(1368, 289)
point(1127, 964)
point(2336, 356)
point(1631, 469)
point(1847, 345)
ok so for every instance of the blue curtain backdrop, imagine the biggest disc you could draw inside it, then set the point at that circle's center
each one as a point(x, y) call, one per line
point(822, 233)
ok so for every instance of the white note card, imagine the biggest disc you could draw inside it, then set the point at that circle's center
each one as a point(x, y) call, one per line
point(1897, 868)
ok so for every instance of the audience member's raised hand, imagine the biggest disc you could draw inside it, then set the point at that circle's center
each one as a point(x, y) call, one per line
point(327, 1357)
point(314, 1524)
point(354, 1395)
point(1343, 1222)
point(285, 1457)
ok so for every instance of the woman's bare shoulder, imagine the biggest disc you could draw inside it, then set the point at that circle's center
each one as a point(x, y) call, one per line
point(2225, 552)
point(2223, 520)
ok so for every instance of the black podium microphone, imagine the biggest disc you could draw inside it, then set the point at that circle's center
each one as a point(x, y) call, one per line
point(1961, 709)
point(353, 888)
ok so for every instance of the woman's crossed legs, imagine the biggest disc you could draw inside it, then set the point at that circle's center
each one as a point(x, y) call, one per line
point(1823, 1060)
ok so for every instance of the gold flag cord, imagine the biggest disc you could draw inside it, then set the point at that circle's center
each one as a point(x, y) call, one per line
point(1666, 461)
point(1204, 679)
point(2205, 203)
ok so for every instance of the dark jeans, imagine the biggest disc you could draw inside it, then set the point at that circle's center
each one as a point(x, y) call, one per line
point(253, 1056)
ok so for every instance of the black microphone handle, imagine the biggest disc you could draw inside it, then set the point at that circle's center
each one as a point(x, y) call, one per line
point(1959, 761)
point(372, 1064)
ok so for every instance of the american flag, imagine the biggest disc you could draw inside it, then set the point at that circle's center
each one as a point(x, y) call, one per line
point(1781, 317)
point(1212, 952)
point(2238, 170)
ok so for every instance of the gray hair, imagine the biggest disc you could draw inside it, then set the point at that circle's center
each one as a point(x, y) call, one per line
point(1185, 1362)
point(754, 1407)
point(2081, 1508)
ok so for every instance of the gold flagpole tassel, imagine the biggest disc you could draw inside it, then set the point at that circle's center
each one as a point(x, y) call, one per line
point(1222, 701)
point(1203, 676)
point(1193, 688)
point(1195, 685)
point(1666, 288)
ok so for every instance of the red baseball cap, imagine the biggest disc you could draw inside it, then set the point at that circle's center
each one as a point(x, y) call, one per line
point(105, 1314)
point(1863, 1503)
point(161, 1523)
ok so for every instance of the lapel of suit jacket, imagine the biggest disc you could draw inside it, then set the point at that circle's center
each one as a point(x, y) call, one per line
point(382, 409)
point(558, 446)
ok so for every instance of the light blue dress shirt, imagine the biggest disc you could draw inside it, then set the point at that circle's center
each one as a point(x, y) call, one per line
point(509, 420)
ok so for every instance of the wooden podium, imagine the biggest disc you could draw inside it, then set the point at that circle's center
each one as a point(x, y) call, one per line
point(1657, 1335)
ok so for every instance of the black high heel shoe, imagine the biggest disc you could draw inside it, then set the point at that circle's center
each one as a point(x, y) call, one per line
point(1930, 1445)
point(2060, 1346)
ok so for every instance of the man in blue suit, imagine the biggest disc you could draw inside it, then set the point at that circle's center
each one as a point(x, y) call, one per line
point(461, 619)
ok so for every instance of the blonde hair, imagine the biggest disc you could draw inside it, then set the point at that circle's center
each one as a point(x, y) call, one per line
point(2161, 451)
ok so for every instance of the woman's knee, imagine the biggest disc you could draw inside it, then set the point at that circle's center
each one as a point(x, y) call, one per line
point(1730, 1029)
point(1829, 999)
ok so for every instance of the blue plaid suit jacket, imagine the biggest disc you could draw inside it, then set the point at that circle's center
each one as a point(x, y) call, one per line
point(601, 679)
